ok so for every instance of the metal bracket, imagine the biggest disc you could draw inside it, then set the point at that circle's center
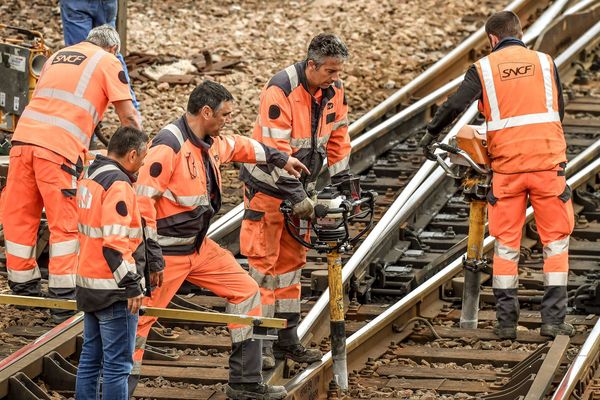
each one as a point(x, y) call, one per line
point(21, 387)
point(58, 372)
point(474, 265)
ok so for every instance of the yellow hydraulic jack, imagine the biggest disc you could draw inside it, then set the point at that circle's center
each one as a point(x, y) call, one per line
point(335, 208)
point(469, 154)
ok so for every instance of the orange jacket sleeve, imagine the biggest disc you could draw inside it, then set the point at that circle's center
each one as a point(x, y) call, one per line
point(116, 217)
point(338, 146)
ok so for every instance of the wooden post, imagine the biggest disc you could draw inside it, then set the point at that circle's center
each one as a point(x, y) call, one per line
point(122, 24)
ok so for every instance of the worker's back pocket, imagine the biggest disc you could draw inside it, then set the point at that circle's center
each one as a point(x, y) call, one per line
point(252, 234)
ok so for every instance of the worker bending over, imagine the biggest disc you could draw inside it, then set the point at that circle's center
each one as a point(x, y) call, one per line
point(520, 96)
point(49, 144)
point(303, 112)
point(179, 190)
point(110, 276)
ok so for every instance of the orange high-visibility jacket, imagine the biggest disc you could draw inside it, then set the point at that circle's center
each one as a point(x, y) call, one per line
point(111, 257)
point(70, 98)
point(520, 105)
point(179, 186)
point(310, 129)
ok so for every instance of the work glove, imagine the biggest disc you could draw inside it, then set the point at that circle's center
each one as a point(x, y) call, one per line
point(304, 209)
point(425, 144)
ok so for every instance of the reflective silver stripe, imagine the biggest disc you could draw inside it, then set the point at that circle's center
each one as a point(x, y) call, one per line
point(292, 75)
point(268, 310)
point(556, 278)
point(147, 191)
point(123, 269)
point(264, 281)
point(266, 178)
point(87, 73)
point(121, 230)
point(506, 253)
point(100, 170)
point(287, 305)
point(245, 306)
point(557, 247)
point(505, 282)
point(174, 241)
point(137, 368)
point(276, 133)
point(240, 334)
point(339, 166)
point(522, 120)
point(259, 152)
point(490, 88)
point(94, 233)
point(96, 283)
point(70, 98)
point(288, 279)
point(59, 122)
point(187, 201)
point(306, 143)
point(19, 250)
point(64, 248)
point(176, 132)
point(340, 123)
point(301, 143)
point(23, 276)
point(61, 281)
point(547, 79)
point(151, 233)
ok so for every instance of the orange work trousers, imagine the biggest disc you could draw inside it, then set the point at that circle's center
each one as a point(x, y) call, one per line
point(553, 209)
point(39, 178)
point(215, 269)
point(275, 259)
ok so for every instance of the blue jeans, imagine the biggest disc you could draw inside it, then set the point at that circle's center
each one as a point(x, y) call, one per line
point(80, 16)
point(108, 344)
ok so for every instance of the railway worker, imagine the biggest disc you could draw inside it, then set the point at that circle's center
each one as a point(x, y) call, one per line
point(46, 160)
point(79, 17)
point(303, 112)
point(520, 95)
point(179, 190)
point(110, 276)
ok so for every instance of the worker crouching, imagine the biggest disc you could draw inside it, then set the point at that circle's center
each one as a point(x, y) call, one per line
point(179, 191)
point(110, 276)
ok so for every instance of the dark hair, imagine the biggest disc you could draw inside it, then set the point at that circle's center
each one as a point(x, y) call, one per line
point(326, 45)
point(208, 93)
point(125, 139)
point(504, 24)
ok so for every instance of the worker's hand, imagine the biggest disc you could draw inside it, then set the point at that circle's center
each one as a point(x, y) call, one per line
point(295, 168)
point(156, 279)
point(305, 209)
point(425, 143)
point(134, 303)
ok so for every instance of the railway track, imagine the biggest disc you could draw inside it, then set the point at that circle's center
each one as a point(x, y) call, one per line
point(189, 361)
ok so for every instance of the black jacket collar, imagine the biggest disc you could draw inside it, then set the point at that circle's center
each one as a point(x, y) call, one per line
point(187, 132)
point(101, 161)
point(508, 41)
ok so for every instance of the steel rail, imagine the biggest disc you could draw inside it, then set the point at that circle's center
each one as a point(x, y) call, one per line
point(582, 5)
point(408, 199)
point(230, 222)
point(369, 334)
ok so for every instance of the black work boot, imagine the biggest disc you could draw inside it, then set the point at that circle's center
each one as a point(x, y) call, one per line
point(505, 332)
point(296, 352)
point(254, 391)
point(268, 359)
point(553, 330)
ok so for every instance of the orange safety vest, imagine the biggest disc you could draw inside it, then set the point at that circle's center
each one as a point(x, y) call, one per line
point(308, 128)
point(111, 256)
point(520, 105)
point(70, 98)
point(179, 185)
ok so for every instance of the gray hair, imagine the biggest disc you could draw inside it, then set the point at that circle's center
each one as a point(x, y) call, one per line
point(326, 45)
point(105, 36)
